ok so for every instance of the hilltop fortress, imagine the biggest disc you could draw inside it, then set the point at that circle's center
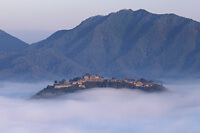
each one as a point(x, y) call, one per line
point(95, 78)
point(94, 81)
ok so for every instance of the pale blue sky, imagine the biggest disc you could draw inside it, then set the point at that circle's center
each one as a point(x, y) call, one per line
point(33, 20)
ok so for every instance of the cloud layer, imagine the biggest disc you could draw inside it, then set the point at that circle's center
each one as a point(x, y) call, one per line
point(104, 110)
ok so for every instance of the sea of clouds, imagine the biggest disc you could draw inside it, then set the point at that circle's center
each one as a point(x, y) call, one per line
point(104, 110)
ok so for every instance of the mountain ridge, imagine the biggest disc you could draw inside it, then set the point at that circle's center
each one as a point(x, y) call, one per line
point(9, 43)
point(122, 44)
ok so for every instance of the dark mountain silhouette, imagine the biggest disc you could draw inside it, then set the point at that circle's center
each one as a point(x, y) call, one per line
point(9, 43)
point(122, 44)
point(9, 47)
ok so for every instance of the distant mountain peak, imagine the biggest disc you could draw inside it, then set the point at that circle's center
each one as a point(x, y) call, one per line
point(131, 11)
point(126, 10)
point(9, 43)
point(142, 10)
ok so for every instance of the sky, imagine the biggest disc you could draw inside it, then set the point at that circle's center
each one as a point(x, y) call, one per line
point(103, 110)
point(34, 20)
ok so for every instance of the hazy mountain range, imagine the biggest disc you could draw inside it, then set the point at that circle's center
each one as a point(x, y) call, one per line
point(9, 43)
point(122, 44)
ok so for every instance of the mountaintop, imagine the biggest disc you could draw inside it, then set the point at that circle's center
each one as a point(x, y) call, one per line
point(9, 43)
point(94, 81)
point(122, 44)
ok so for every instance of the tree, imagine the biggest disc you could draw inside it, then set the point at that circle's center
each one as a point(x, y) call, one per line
point(87, 74)
point(64, 80)
point(143, 80)
point(76, 79)
point(132, 79)
point(150, 81)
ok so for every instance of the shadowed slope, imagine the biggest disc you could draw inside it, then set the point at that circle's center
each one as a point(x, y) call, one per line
point(9, 43)
point(123, 44)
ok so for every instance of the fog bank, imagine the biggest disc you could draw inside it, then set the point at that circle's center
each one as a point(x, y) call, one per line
point(104, 110)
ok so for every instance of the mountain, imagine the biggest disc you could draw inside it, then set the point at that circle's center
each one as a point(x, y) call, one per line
point(123, 44)
point(9, 43)
point(9, 47)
